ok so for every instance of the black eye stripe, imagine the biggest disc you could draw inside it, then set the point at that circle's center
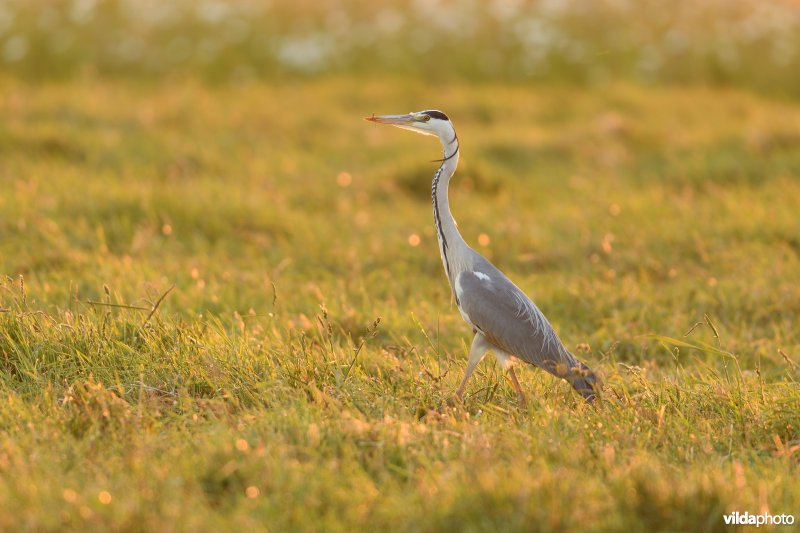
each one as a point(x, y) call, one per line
point(436, 114)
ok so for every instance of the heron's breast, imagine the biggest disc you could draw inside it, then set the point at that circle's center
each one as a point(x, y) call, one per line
point(460, 298)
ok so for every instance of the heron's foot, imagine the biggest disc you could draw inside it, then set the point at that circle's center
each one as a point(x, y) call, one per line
point(523, 404)
point(455, 400)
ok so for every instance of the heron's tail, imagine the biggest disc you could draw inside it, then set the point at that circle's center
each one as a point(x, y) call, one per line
point(584, 380)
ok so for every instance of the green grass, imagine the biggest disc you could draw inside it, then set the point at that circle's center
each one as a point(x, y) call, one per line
point(261, 393)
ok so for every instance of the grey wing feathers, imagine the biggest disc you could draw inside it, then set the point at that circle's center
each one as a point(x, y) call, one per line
point(511, 321)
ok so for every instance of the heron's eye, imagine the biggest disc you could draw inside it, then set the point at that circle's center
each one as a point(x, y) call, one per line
point(425, 118)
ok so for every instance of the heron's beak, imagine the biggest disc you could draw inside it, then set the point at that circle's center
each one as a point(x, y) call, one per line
point(394, 120)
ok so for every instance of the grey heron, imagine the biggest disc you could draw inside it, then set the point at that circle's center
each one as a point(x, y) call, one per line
point(504, 320)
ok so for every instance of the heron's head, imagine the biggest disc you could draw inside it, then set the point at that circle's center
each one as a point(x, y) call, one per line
point(431, 122)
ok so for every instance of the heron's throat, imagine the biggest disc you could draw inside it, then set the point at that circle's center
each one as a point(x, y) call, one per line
point(451, 244)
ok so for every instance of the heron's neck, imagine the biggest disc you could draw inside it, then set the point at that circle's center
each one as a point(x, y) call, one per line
point(451, 244)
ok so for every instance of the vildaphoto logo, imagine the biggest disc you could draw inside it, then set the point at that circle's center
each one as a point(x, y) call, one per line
point(758, 520)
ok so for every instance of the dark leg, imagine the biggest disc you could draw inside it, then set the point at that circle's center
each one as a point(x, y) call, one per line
point(522, 403)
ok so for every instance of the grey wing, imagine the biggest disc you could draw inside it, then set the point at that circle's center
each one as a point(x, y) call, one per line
point(510, 320)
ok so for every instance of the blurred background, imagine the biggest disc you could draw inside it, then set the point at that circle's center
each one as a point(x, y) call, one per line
point(748, 43)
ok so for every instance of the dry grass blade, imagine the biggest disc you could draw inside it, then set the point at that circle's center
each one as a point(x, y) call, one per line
point(157, 304)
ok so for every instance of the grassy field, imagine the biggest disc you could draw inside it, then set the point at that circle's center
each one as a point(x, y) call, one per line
point(747, 43)
point(224, 307)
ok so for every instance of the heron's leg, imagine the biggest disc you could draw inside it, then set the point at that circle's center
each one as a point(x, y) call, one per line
point(476, 353)
point(513, 376)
